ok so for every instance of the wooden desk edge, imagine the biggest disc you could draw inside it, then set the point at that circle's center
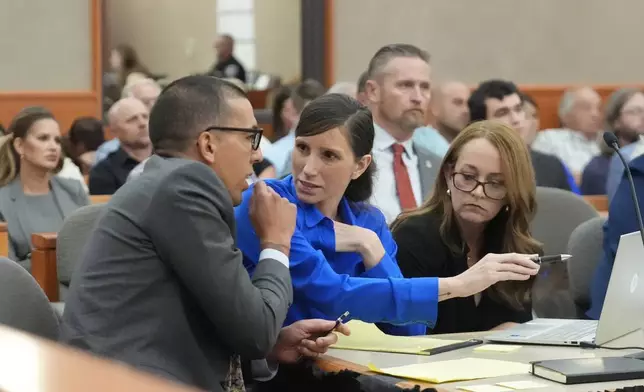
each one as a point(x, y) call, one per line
point(332, 364)
point(44, 240)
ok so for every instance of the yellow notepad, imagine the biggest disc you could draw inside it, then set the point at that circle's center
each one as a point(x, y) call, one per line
point(455, 370)
point(522, 384)
point(367, 337)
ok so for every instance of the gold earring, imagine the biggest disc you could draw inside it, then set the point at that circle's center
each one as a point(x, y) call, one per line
point(449, 192)
point(507, 208)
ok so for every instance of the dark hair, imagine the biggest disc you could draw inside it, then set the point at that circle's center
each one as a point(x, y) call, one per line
point(87, 130)
point(305, 92)
point(186, 107)
point(389, 52)
point(339, 110)
point(362, 82)
point(281, 96)
point(19, 128)
point(130, 62)
point(494, 88)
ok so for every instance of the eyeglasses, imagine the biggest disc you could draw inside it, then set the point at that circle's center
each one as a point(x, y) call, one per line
point(468, 183)
point(256, 132)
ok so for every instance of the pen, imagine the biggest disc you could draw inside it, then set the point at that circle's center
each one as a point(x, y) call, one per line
point(452, 347)
point(551, 259)
point(339, 321)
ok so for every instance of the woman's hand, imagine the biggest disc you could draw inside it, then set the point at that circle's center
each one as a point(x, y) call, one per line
point(495, 268)
point(350, 238)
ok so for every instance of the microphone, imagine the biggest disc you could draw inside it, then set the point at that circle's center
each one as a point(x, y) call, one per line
point(611, 140)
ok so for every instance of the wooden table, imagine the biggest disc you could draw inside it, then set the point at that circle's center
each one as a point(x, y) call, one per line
point(337, 360)
point(30, 364)
point(4, 240)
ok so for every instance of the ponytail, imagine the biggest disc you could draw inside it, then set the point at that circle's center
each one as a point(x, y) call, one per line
point(9, 163)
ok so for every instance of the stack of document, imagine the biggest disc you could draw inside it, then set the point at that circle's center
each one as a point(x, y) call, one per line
point(367, 337)
point(455, 370)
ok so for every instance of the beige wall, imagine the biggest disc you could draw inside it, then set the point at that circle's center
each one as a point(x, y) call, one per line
point(544, 41)
point(45, 45)
point(278, 37)
point(171, 37)
point(174, 38)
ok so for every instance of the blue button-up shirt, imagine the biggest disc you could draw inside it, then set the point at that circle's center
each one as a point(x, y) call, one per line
point(327, 283)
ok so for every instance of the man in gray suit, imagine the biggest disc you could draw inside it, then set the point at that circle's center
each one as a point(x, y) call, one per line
point(161, 285)
point(397, 91)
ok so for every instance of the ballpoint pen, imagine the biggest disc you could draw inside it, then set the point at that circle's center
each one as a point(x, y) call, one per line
point(339, 321)
point(551, 259)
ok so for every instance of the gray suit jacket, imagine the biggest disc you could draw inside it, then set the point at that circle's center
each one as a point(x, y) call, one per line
point(161, 284)
point(428, 166)
point(68, 194)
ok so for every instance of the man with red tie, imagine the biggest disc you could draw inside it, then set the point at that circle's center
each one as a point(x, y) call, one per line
point(398, 93)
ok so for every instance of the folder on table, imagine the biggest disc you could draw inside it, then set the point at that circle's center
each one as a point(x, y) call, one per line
point(367, 337)
point(455, 370)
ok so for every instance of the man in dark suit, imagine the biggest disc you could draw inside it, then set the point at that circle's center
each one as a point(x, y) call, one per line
point(500, 100)
point(397, 91)
point(161, 285)
point(227, 65)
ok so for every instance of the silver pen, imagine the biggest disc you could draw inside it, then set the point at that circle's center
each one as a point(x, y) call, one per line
point(551, 259)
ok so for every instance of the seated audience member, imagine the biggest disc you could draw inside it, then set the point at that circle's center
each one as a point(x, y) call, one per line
point(621, 220)
point(361, 94)
point(448, 106)
point(227, 66)
point(125, 64)
point(145, 90)
point(500, 100)
point(533, 122)
point(346, 88)
point(128, 119)
point(32, 198)
point(628, 125)
point(576, 143)
point(279, 152)
point(398, 92)
point(483, 203)
point(162, 286)
point(85, 136)
point(342, 253)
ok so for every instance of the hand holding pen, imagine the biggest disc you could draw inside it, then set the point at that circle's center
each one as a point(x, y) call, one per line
point(551, 259)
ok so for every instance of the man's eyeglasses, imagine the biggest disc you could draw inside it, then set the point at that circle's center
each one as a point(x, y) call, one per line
point(256, 132)
point(467, 183)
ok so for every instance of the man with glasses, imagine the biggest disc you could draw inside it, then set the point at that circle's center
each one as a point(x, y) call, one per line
point(161, 285)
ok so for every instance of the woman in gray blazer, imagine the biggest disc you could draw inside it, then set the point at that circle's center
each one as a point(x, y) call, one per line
point(32, 198)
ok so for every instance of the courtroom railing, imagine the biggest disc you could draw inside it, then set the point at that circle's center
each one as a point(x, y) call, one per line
point(4, 240)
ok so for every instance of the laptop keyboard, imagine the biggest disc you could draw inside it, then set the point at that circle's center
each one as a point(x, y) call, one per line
point(573, 331)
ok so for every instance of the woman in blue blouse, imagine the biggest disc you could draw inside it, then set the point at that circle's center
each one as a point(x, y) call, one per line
point(342, 255)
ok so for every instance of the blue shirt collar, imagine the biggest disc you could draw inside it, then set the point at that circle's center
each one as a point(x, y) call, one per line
point(313, 216)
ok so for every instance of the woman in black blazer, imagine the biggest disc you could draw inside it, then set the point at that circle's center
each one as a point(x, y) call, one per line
point(483, 202)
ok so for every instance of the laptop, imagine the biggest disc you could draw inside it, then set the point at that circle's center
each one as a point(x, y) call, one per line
point(625, 296)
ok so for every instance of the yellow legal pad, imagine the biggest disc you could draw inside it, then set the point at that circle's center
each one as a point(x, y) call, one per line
point(367, 337)
point(455, 370)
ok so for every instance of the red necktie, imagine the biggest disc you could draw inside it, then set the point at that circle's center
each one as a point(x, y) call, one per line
point(403, 183)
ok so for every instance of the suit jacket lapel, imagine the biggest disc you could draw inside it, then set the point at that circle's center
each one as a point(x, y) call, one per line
point(17, 197)
point(62, 198)
point(427, 170)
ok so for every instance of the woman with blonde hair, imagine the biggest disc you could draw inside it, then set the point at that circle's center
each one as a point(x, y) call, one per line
point(32, 198)
point(483, 202)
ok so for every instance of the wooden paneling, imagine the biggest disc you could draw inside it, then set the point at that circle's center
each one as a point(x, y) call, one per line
point(4, 240)
point(66, 105)
point(43, 263)
point(548, 97)
point(329, 44)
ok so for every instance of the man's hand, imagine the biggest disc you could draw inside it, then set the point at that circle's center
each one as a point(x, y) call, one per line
point(273, 218)
point(302, 339)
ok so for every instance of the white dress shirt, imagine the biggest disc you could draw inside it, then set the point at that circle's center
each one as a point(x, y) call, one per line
point(71, 171)
point(573, 148)
point(385, 194)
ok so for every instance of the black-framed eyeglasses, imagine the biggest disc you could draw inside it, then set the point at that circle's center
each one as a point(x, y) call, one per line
point(256, 132)
point(468, 183)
